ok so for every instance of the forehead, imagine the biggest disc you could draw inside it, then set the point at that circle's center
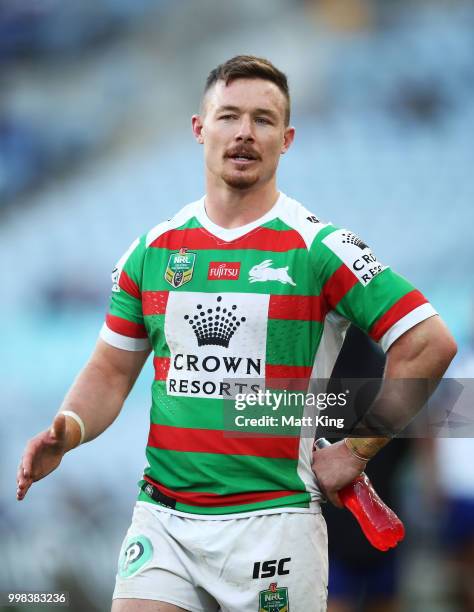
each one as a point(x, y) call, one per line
point(246, 94)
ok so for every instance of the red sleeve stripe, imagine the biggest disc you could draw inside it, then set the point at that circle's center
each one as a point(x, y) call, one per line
point(262, 239)
point(405, 305)
point(297, 307)
point(221, 442)
point(338, 284)
point(202, 498)
point(128, 285)
point(154, 302)
point(161, 365)
point(125, 328)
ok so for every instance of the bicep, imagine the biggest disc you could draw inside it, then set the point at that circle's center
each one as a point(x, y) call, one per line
point(118, 363)
point(423, 351)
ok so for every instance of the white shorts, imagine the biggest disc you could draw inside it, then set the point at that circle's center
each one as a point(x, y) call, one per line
point(260, 563)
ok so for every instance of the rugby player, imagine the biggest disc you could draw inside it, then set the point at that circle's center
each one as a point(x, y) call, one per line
point(243, 284)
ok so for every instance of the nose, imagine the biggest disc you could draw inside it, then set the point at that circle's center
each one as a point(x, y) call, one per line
point(245, 130)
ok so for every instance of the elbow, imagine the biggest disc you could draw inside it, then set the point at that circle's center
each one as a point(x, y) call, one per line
point(445, 348)
point(451, 349)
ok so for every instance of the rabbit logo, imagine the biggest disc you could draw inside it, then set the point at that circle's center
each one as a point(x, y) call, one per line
point(263, 272)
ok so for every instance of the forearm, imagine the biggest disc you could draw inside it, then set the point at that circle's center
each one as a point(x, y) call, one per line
point(415, 365)
point(97, 398)
point(98, 393)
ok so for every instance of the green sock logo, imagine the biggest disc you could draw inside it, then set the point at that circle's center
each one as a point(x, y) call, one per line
point(135, 553)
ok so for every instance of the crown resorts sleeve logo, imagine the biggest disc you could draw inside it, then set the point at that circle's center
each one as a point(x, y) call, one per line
point(274, 599)
point(215, 325)
point(136, 552)
point(180, 268)
point(350, 238)
point(355, 254)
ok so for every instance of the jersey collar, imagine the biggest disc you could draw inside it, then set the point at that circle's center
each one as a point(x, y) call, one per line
point(228, 235)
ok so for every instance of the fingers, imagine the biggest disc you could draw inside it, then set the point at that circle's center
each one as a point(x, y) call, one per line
point(24, 475)
point(22, 489)
point(334, 468)
point(25, 472)
point(335, 500)
point(27, 464)
point(24, 480)
point(331, 496)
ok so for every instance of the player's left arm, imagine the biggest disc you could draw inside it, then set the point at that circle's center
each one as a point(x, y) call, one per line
point(416, 361)
point(415, 364)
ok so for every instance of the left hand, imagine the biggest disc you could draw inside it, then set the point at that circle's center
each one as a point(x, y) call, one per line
point(335, 467)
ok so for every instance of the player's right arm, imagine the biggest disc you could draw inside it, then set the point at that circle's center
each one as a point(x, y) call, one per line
point(96, 396)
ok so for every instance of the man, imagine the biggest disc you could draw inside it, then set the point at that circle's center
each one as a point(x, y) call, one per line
point(242, 284)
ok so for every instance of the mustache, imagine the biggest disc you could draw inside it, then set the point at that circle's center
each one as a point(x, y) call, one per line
point(242, 151)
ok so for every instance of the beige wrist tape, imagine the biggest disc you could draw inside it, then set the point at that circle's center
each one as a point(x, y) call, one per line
point(78, 420)
point(347, 442)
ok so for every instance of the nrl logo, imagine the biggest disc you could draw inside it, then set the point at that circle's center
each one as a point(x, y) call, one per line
point(263, 272)
point(180, 268)
point(274, 599)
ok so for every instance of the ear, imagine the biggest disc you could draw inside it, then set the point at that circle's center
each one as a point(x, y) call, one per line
point(197, 126)
point(265, 264)
point(288, 138)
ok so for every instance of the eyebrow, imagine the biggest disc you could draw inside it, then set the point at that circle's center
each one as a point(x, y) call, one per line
point(257, 111)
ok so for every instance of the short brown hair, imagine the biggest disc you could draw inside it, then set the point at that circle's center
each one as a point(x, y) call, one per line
point(250, 67)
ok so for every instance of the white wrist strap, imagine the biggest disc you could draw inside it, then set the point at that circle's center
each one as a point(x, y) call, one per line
point(78, 420)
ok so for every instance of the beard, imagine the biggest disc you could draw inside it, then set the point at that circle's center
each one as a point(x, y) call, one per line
point(240, 180)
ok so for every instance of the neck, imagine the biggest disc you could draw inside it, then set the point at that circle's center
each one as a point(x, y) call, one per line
point(230, 208)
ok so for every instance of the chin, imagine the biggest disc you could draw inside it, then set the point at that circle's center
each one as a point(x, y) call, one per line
point(240, 181)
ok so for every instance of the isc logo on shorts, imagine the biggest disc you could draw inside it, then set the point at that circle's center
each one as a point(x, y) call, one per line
point(268, 569)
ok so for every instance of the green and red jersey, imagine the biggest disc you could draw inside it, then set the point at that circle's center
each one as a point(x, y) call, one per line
point(270, 300)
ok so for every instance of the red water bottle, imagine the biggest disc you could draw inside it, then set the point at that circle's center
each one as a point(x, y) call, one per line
point(380, 524)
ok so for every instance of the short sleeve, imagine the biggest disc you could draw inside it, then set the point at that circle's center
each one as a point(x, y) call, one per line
point(364, 291)
point(124, 327)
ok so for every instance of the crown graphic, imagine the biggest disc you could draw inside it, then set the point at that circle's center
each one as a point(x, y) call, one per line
point(215, 325)
point(355, 240)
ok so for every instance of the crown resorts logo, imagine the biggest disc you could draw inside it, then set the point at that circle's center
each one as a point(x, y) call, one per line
point(214, 340)
point(351, 238)
point(215, 325)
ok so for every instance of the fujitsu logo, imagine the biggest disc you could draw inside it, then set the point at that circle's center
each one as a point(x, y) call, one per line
point(223, 270)
point(215, 325)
